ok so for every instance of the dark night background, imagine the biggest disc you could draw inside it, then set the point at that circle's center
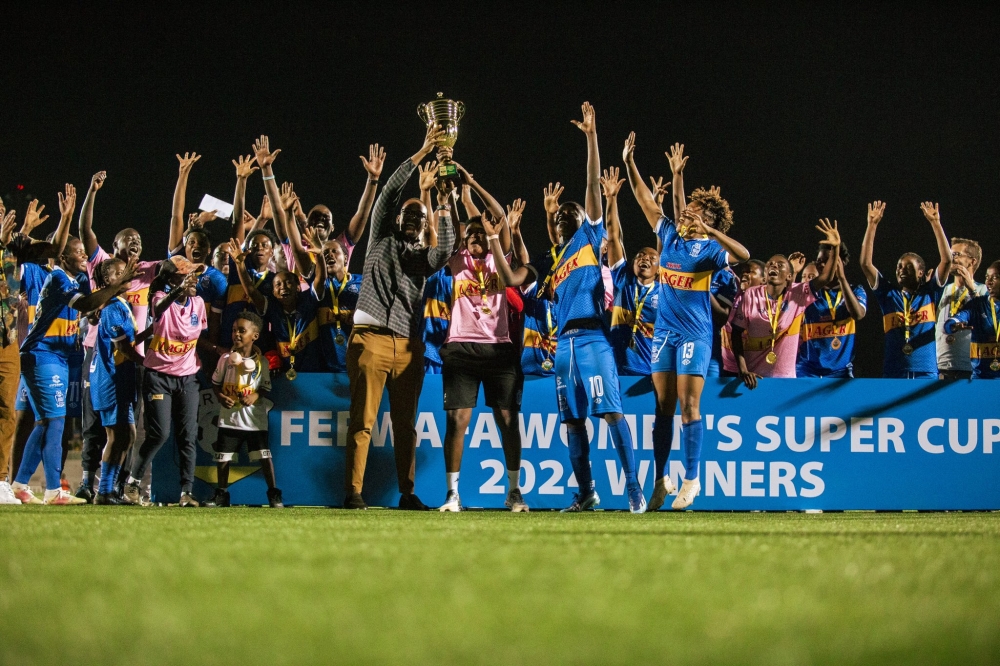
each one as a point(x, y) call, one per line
point(798, 112)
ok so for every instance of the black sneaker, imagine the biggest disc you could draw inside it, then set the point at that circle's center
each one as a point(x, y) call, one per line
point(411, 502)
point(107, 499)
point(354, 501)
point(274, 498)
point(219, 499)
point(85, 492)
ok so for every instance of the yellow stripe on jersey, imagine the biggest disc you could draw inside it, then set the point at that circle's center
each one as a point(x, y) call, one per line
point(686, 281)
point(63, 328)
point(437, 309)
point(325, 316)
point(31, 314)
point(984, 350)
point(171, 347)
point(138, 297)
point(764, 342)
point(926, 314)
point(310, 333)
point(828, 329)
point(534, 339)
point(624, 317)
point(585, 257)
point(235, 294)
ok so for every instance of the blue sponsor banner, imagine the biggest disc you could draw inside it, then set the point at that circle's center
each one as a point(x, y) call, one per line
point(788, 445)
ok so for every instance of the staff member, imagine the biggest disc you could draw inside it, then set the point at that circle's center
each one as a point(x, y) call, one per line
point(954, 356)
point(385, 348)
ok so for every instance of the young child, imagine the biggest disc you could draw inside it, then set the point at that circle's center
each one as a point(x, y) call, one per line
point(242, 383)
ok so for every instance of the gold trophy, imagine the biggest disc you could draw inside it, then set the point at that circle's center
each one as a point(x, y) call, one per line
point(445, 113)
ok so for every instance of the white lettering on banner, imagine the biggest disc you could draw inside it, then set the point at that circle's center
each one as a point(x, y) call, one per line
point(491, 487)
point(726, 429)
point(343, 421)
point(991, 434)
point(616, 476)
point(859, 435)
point(749, 479)
point(648, 421)
point(538, 431)
point(890, 430)
point(486, 429)
point(382, 430)
point(817, 483)
point(827, 435)
point(675, 443)
point(713, 473)
point(924, 441)
point(528, 470)
point(551, 486)
point(427, 429)
point(773, 438)
point(782, 474)
point(288, 428)
point(969, 446)
point(317, 427)
point(810, 435)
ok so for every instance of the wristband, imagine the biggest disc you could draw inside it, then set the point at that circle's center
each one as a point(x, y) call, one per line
point(493, 237)
point(441, 207)
point(373, 181)
point(269, 177)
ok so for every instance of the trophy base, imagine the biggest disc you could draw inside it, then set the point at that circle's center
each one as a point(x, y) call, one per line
point(448, 171)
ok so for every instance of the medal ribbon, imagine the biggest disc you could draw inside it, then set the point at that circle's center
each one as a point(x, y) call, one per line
point(479, 268)
point(555, 264)
point(553, 329)
point(335, 298)
point(907, 317)
point(293, 336)
point(996, 331)
point(833, 305)
point(638, 307)
point(774, 315)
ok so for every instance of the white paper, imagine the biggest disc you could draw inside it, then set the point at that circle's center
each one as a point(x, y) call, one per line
point(221, 208)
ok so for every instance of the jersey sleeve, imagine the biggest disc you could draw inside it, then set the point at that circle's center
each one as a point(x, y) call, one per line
point(719, 256)
point(861, 295)
point(619, 274)
point(113, 323)
point(665, 230)
point(882, 294)
point(265, 379)
point(348, 245)
point(219, 374)
point(64, 288)
point(95, 259)
point(802, 295)
point(724, 286)
point(595, 232)
point(738, 316)
point(217, 291)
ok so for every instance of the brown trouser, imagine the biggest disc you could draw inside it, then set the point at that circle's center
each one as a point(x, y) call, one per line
point(10, 374)
point(376, 360)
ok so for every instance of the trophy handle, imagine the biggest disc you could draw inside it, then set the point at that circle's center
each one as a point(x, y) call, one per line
point(460, 107)
point(422, 112)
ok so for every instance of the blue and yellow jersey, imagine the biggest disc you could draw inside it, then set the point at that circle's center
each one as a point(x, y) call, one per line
point(437, 316)
point(213, 288)
point(983, 314)
point(32, 278)
point(632, 335)
point(687, 268)
point(56, 329)
point(909, 322)
point(236, 301)
point(541, 333)
point(575, 283)
point(336, 319)
point(725, 285)
point(296, 334)
point(110, 371)
point(827, 337)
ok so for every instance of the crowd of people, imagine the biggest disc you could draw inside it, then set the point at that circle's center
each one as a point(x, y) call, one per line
point(448, 286)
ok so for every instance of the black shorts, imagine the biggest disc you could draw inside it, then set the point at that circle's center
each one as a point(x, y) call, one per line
point(229, 441)
point(497, 367)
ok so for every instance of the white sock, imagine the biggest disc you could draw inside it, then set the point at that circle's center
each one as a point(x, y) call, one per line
point(452, 480)
point(49, 494)
point(513, 478)
point(18, 486)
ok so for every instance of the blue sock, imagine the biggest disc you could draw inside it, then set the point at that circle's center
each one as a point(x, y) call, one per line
point(663, 439)
point(621, 435)
point(579, 458)
point(32, 454)
point(52, 453)
point(691, 436)
point(107, 479)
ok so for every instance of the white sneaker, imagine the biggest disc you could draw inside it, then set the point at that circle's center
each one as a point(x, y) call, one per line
point(515, 501)
point(62, 497)
point(689, 490)
point(7, 494)
point(23, 493)
point(664, 486)
point(452, 503)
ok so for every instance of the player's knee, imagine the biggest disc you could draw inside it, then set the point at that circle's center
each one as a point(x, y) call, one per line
point(576, 425)
point(613, 418)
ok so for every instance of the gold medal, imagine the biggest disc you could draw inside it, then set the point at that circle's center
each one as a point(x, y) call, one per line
point(547, 365)
point(836, 344)
point(291, 374)
point(995, 365)
point(771, 357)
point(907, 349)
point(486, 310)
point(950, 339)
point(339, 339)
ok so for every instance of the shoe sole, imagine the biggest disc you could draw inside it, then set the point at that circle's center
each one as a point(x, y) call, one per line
point(520, 508)
point(450, 508)
point(642, 508)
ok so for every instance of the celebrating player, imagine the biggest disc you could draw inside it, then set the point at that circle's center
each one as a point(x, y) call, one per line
point(954, 355)
point(979, 317)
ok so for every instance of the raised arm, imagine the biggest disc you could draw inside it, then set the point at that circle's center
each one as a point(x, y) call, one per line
point(96, 299)
point(373, 167)
point(265, 158)
point(233, 249)
point(320, 274)
point(303, 258)
point(737, 253)
point(933, 214)
point(160, 306)
point(471, 210)
point(647, 202)
point(244, 167)
point(180, 198)
point(510, 277)
point(592, 202)
point(67, 206)
point(426, 181)
point(829, 272)
point(33, 217)
point(550, 200)
point(388, 201)
point(677, 164)
point(87, 215)
point(438, 256)
point(515, 212)
point(611, 185)
point(876, 210)
point(854, 307)
point(492, 205)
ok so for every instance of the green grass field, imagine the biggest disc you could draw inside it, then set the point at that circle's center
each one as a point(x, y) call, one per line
point(133, 586)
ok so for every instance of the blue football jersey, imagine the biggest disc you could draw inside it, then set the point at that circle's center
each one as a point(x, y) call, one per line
point(336, 319)
point(236, 301)
point(633, 318)
point(914, 314)
point(108, 367)
point(575, 284)
point(687, 268)
point(32, 279)
point(828, 335)
point(983, 314)
point(299, 329)
point(725, 286)
point(541, 333)
point(212, 287)
point(56, 329)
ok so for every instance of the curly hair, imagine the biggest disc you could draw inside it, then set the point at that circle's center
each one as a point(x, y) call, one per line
point(253, 318)
point(715, 208)
point(101, 274)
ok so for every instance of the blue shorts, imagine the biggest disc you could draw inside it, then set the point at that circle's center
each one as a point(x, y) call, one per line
point(586, 377)
point(121, 413)
point(74, 401)
point(48, 385)
point(672, 353)
point(21, 403)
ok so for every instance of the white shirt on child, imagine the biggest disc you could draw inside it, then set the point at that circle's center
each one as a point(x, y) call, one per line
point(236, 381)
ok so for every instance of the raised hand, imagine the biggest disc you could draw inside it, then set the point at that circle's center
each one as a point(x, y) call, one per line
point(829, 231)
point(130, 273)
point(245, 166)
point(551, 200)
point(515, 212)
point(964, 273)
point(67, 201)
point(262, 151)
point(431, 138)
point(265, 210)
point(676, 158)
point(797, 261)
point(288, 195)
point(33, 217)
point(445, 153)
point(589, 124)
point(876, 210)
point(312, 241)
point(232, 248)
point(610, 182)
point(716, 190)
point(248, 220)
point(660, 189)
point(489, 226)
point(187, 162)
point(428, 175)
point(444, 190)
point(376, 158)
point(629, 149)
point(7, 226)
point(97, 180)
point(931, 211)
point(197, 221)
